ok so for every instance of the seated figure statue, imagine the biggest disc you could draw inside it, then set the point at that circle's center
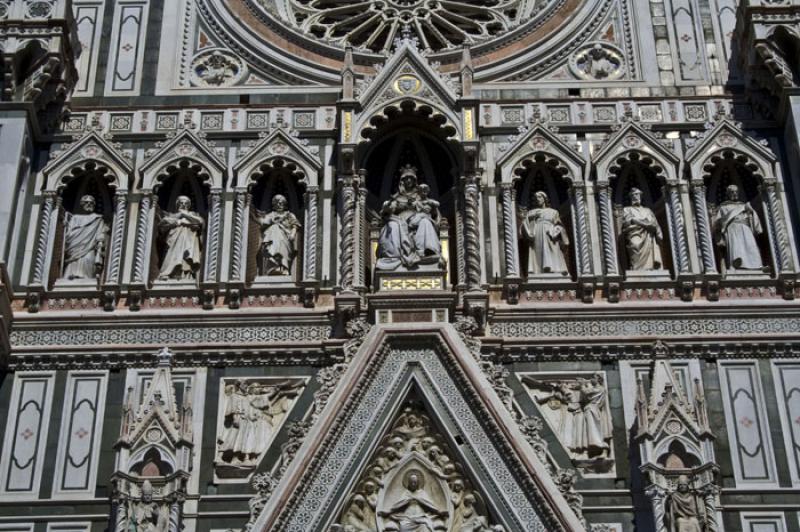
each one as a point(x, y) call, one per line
point(409, 237)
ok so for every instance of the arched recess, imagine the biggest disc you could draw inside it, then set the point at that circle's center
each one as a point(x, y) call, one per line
point(89, 166)
point(412, 133)
point(541, 161)
point(186, 165)
point(634, 159)
point(727, 156)
point(276, 164)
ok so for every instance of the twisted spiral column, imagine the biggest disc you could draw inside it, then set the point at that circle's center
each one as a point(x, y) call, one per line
point(213, 235)
point(509, 230)
point(577, 192)
point(46, 221)
point(239, 218)
point(607, 227)
point(310, 258)
point(117, 234)
point(472, 232)
point(710, 503)
point(779, 223)
point(360, 231)
point(698, 189)
point(346, 235)
point(657, 497)
point(678, 226)
point(142, 225)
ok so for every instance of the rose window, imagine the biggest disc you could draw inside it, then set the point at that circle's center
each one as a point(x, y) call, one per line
point(373, 25)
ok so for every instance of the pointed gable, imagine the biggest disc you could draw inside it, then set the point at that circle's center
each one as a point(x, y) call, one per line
point(91, 147)
point(277, 144)
point(486, 441)
point(540, 139)
point(633, 137)
point(727, 135)
point(185, 145)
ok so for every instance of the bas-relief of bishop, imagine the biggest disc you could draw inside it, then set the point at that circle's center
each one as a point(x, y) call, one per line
point(736, 226)
point(85, 238)
point(182, 230)
point(642, 235)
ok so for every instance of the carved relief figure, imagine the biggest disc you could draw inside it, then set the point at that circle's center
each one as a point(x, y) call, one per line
point(684, 509)
point(735, 228)
point(409, 237)
point(85, 240)
point(642, 235)
point(253, 412)
point(181, 230)
point(415, 510)
point(547, 237)
point(147, 515)
point(278, 237)
point(578, 412)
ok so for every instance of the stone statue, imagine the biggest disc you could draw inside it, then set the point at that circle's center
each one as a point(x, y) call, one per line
point(147, 515)
point(409, 237)
point(414, 510)
point(735, 228)
point(642, 235)
point(278, 237)
point(253, 411)
point(182, 229)
point(85, 238)
point(541, 227)
point(580, 413)
point(684, 510)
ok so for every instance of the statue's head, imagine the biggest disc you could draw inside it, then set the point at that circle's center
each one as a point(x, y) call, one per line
point(683, 484)
point(424, 190)
point(147, 491)
point(732, 193)
point(408, 178)
point(87, 203)
point(541, 199)
point(183, 203)
point(279, 203)
point(635, 196)
point(414, 480)
point(457, 486)
point(370, 487)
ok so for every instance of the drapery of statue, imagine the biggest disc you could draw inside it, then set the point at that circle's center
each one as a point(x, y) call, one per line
point(642, 235)
point(413, 484)
point(278, 238)
point(409, 237)
point(546, 236)
point(148, 515)
point(181, 232)
point(85, 239)
point(735, 227)
point(685, 510)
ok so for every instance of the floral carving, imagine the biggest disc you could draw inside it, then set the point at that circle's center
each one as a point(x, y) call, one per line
point(216, 68)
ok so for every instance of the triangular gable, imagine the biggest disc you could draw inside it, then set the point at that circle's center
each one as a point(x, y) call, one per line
point(407, 60)
point(726, 135)
point(186, 144)
point(539, 139)
point(277, 144)
point(433, 360)
point(92, 146)
point(632, 136)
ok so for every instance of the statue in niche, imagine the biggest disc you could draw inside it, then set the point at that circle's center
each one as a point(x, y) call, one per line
point(735, 228)
point(642, 235)
point(278, 237)
point(253, 412)
point(182, 230)
point(414, 510)
point(85, 238)
point(684, 509)
point(413, 484)
point(547, 237)
point(147, 515)
point(409, 237)
point(580, 411)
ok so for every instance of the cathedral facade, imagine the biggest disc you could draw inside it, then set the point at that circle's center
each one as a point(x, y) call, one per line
point(399, 265)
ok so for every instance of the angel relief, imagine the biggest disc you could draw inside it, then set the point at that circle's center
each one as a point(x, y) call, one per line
point(413, 485)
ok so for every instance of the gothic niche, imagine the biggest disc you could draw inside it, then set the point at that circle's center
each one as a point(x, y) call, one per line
point(275, 233)
point(82, 236)
point(410, 199)
point(736, 210)
point(544, 219)
point(413, 483)
point(577, 410)
point(640, 215)
point(252, 411)
point(180, 225)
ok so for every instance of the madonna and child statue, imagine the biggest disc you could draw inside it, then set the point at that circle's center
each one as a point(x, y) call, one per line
point(409, 235)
